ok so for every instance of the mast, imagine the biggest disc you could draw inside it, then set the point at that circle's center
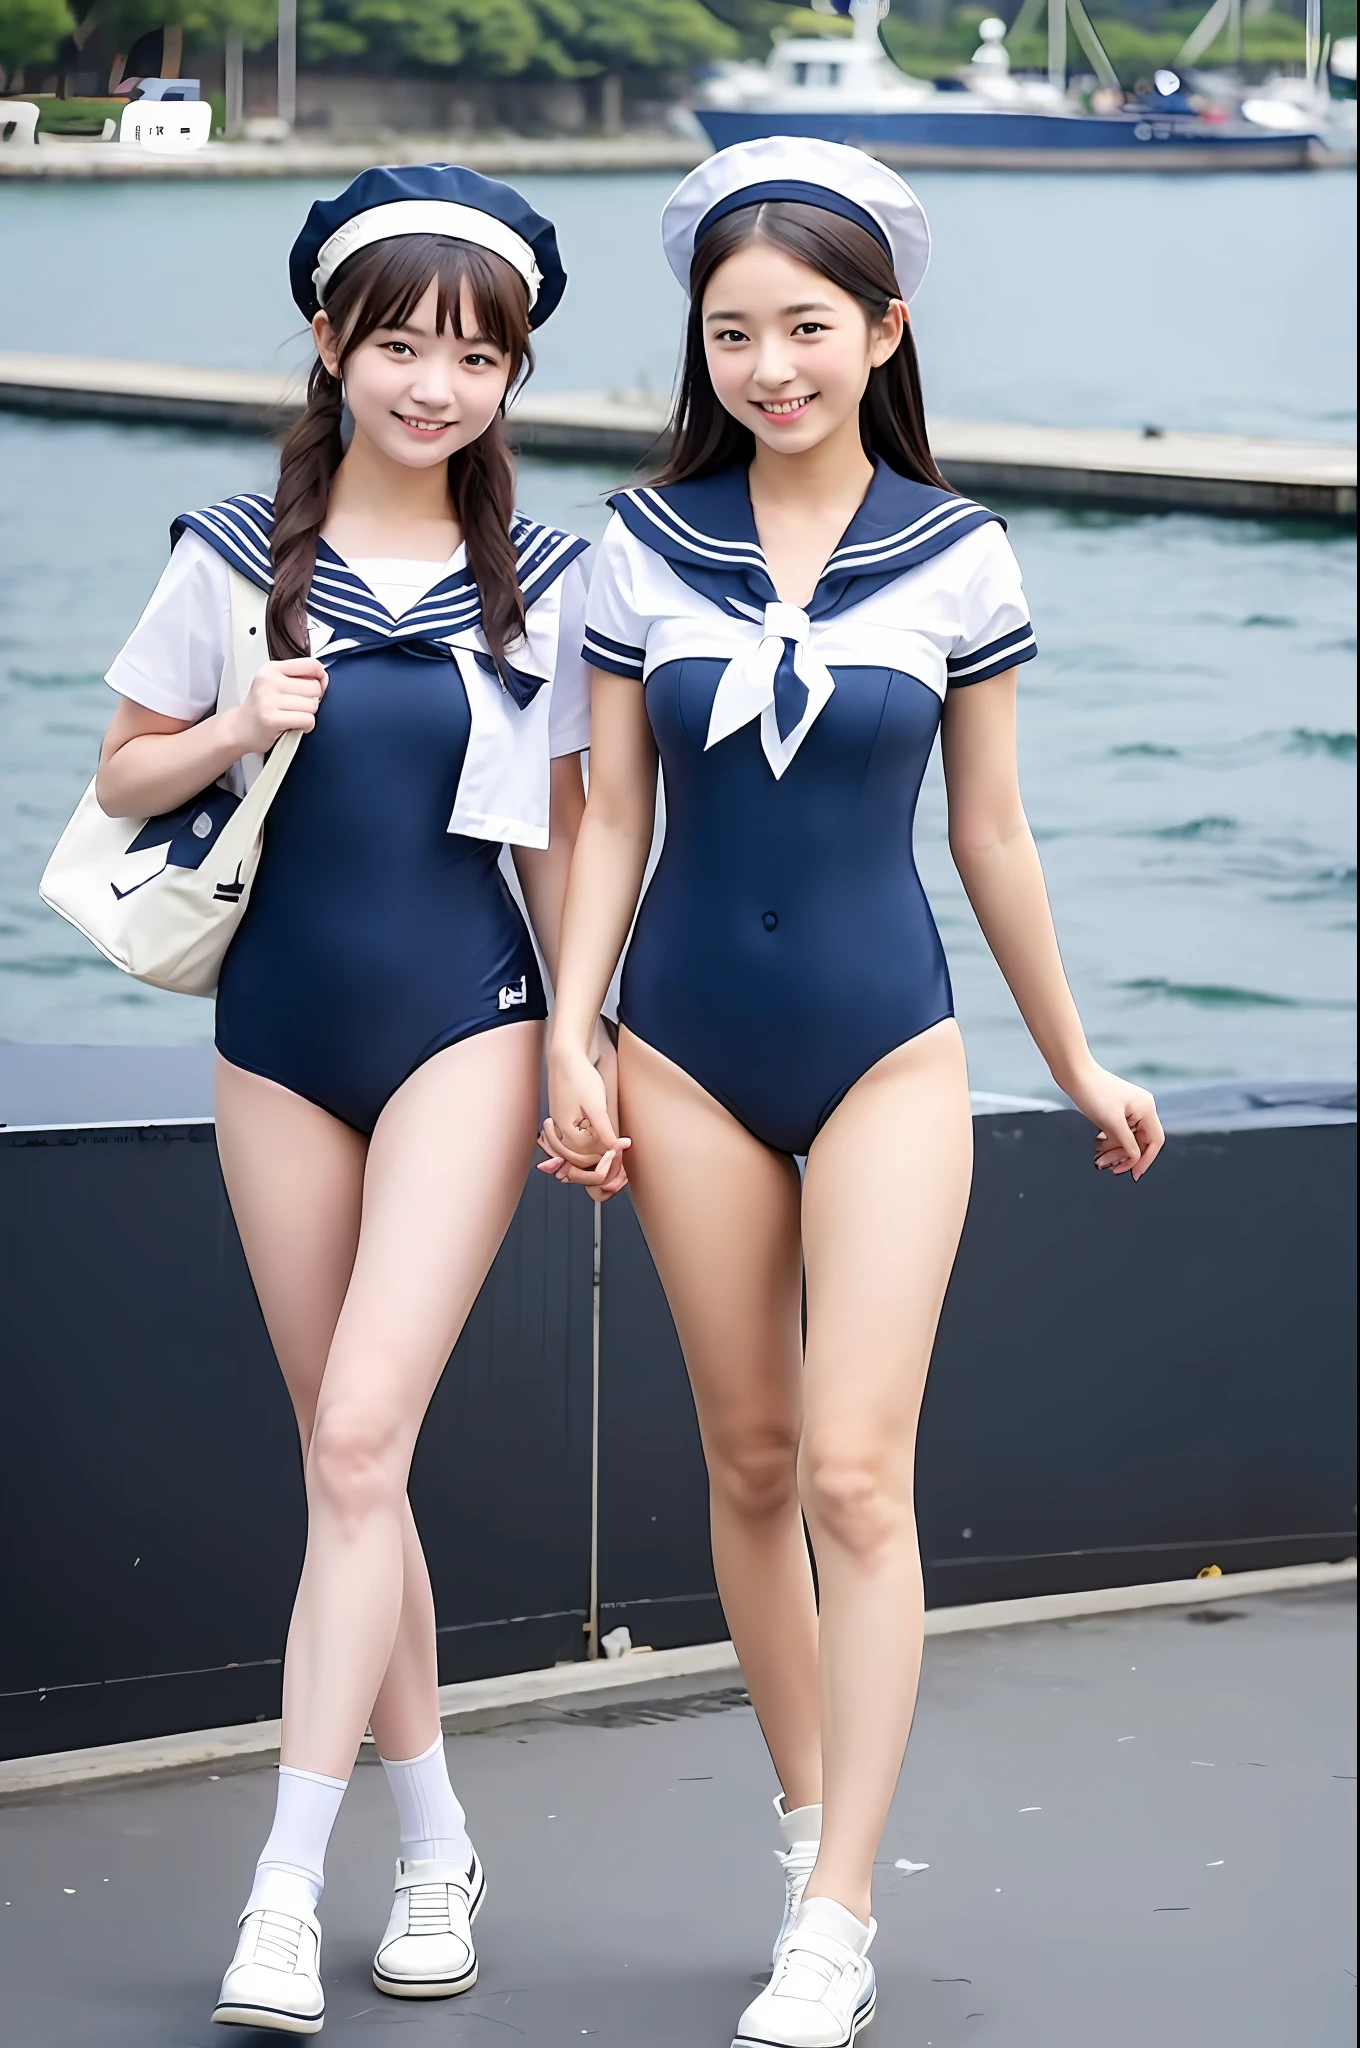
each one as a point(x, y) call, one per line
point(1057, 44)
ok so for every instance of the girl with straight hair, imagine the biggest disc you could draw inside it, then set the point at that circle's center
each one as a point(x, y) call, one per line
point(380, 1011)
point(786, 617)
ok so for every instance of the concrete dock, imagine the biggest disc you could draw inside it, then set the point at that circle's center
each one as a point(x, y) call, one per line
point(1149, 471)
point(60, 159)
point(1128, 1828)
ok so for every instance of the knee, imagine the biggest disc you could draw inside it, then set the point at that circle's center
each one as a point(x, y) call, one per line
point(855, 1497)
point(354, 1463)
point(753, 1473)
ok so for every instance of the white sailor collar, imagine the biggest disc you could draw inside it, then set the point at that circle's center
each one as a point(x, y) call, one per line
point(777, 675)
point(706, 530)
point(504, 788)
point(240, 529)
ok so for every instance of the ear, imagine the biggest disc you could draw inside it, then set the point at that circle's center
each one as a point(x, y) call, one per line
point(885, 335)
point(327, 342)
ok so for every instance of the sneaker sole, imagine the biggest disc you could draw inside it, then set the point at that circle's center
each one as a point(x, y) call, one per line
point(435, 1987)
point(857, 2026)
point(269, 2017)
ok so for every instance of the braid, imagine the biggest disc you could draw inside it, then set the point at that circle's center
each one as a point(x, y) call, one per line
point(311, 455)
point(482, 486)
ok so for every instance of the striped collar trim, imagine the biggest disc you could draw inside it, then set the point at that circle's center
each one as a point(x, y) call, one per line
point(706, 527)
point(240, 530)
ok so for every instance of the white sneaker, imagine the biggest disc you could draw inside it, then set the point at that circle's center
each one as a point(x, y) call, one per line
point(274, 1978)
point(427, 1951)
point(822, 1993)
point(801, 1834)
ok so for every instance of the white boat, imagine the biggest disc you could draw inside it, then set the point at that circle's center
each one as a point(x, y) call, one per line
point(846, 89)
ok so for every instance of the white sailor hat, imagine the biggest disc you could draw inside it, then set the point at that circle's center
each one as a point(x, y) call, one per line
point(427, 199)
point(826, 174)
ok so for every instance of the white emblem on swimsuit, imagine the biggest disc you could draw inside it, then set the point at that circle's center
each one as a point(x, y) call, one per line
point(514, 994)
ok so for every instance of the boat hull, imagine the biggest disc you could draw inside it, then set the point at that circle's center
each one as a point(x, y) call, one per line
point(995, 139)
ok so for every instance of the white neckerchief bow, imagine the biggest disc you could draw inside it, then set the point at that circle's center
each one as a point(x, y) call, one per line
point(746, 686)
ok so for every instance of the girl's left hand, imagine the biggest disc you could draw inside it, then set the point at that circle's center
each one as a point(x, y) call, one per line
point(607, 1066)
point(1129, 1133)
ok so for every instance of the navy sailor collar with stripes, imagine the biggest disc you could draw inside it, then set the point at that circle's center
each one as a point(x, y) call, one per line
point(239, 529)
point(706, 530)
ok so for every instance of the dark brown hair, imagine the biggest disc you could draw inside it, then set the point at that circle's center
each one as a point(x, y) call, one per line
point(381, 286)
point(892, 421)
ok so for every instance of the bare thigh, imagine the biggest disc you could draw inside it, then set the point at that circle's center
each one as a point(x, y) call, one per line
point(884, 1198)
point(295, 1180)
point(446, 1165)
point(720, 1214)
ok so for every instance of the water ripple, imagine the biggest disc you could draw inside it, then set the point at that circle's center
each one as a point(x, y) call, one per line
point(1212, 995)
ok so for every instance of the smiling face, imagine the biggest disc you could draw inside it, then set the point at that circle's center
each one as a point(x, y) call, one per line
point(418, 394)
point(789, 353)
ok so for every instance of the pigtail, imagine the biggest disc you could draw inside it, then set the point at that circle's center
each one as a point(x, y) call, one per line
point(311, 455)
point(482, 486)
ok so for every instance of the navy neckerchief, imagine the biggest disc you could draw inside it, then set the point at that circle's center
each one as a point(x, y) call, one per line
point(516, 682)
point(239, 529)
point(706, 530)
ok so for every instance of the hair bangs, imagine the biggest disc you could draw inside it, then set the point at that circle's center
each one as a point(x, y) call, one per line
point(383, 285)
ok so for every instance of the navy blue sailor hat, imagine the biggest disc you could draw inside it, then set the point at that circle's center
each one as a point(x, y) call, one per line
point(427, 199)
point(831, 175)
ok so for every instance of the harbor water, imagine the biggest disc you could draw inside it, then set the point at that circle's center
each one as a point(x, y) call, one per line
point(1216, 304)
point(1187, 737)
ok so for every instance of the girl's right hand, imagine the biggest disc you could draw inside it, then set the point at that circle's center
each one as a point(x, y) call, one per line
point(283, 697)
point(578, 1134)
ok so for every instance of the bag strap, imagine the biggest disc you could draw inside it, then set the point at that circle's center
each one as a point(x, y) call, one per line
point(247, 650)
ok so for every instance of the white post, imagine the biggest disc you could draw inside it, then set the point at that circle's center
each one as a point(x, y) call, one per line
point(1057, 44)
point(1312, 42)
point(288, 61)
point(1234, 31)
point(234, 81)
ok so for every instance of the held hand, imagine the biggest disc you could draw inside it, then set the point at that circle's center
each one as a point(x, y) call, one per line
point(607, 1066)
point(283, 697)
point(583, 1148)
point(1128, 1130)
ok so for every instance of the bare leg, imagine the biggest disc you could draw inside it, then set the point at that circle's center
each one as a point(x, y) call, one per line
point(883, 1206)
point(720, 1213)
point(446, 1166)
point(295, 1177)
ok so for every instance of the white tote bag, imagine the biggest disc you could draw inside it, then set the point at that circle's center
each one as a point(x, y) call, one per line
point(163, 897)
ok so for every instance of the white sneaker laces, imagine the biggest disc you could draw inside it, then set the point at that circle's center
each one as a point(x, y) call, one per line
point(278, 1939)
point(810, 1967)
point(428, 1909)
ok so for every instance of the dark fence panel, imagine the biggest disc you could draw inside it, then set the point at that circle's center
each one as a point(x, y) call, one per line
point(150, 1485)
point(1130, 1382)
point(656, 1573)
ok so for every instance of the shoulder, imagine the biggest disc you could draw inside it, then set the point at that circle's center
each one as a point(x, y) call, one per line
point(703, 523)
point(239, 530)
point(543, 554)
point(984, 550)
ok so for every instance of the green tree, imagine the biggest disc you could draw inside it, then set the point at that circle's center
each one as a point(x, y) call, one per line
point(510, 38)
point(647, 35)
point(31, 30)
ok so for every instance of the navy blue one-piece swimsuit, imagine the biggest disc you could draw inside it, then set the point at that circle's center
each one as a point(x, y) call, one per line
point(785, 943)
point(374, 937)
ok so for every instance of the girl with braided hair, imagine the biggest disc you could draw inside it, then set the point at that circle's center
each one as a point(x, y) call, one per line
point(380, 1011)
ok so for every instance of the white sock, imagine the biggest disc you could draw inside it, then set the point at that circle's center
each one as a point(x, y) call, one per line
point(433, 1824)
point(291, 1871)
